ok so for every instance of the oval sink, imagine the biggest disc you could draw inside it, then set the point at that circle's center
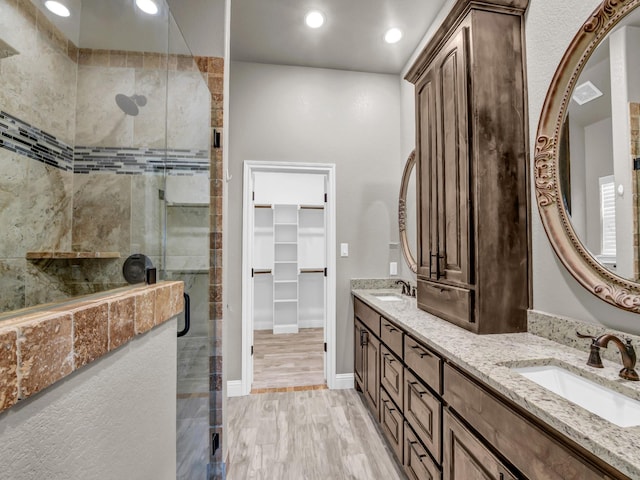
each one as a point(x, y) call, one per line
point(602, 401)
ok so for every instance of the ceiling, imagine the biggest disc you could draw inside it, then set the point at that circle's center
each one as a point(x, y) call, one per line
point(262, 31)
point(273, 31)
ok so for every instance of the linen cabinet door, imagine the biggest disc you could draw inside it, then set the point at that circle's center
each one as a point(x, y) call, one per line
point(466, 458)
point(426, 174)
point(453, 188)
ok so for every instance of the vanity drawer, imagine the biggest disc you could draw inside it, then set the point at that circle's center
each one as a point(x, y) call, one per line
point(391, 336)
point(392, 423)
point(451, 303)
point(391, 375)
point(418, 465)
point(425, 364)
point(534, 448)
point(423, 411)
point(367, 315)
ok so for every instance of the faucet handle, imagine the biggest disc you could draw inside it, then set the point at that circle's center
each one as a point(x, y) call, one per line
point(582, 335)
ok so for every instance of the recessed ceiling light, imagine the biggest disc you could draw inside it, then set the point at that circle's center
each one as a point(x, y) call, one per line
point(585, 93)
point(57, 8)
point(147, 6)
point(393, 35)
point(314, 19)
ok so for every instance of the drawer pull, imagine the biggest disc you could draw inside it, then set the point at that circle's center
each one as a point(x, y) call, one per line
point(415, 389)
point(421, 352)
point(389, 357)
point(390, 409)
point(412, 443)
point(390, 328)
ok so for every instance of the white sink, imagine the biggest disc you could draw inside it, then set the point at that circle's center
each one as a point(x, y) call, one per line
point(604, 402)
point(388, 297)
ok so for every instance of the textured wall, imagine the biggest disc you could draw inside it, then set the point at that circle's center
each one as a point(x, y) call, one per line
point(113, 419)
point(295, 114)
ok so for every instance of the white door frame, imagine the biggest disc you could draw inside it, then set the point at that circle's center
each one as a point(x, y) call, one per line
point(328, 169)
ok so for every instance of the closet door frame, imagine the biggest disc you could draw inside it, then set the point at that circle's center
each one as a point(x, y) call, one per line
point(328, 170)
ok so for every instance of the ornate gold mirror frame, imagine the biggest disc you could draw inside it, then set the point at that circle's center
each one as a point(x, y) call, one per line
point(576, 258)
point(402, 212)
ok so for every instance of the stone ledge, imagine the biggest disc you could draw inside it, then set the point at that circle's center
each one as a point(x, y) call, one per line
point(40, 348)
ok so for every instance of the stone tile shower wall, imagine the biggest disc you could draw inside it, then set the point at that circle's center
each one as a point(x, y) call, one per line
point(37, 130)
point(59, 117)
point(213, 69)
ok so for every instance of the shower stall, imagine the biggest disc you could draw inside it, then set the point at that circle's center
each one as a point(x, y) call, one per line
point(105, 152)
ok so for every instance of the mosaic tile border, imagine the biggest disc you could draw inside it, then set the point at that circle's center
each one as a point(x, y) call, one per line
point(25, 139)
point(21, 137)
point(136, 161)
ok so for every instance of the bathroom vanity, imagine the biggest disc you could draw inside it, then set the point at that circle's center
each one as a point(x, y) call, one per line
point(451, 405)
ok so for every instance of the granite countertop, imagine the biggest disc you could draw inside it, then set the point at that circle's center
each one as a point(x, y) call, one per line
point(489, 358)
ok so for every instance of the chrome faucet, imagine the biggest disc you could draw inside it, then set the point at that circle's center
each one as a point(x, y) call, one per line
point(627, 352)
point(406, 289)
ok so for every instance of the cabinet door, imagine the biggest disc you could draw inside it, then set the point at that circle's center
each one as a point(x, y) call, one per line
point(426, 173)
point(452, 180)
point(359, 354)
point(372, 373)
point(466, 458)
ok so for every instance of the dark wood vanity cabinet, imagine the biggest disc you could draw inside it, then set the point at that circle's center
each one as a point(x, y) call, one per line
point(471, 157)
point(444, 424)
point(367, 355)
point(466, 457)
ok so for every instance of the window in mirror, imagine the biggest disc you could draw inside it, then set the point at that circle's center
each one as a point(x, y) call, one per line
point(608, 220)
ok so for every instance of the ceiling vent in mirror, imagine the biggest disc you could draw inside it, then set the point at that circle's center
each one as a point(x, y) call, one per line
point(585, 93)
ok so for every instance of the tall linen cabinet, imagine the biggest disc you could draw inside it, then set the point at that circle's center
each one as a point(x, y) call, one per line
point(471, 153)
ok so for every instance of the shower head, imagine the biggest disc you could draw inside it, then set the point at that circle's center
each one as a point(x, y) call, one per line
point(6, 50)
point(129, 105)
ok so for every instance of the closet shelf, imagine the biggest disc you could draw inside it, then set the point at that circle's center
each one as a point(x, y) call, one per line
point(286, 261)
point(285, 281)
point(286, 243)
point(287, 300)
point(69, 255)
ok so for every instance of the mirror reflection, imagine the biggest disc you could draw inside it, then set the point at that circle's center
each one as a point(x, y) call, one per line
point(599, 145)
point(407, 213)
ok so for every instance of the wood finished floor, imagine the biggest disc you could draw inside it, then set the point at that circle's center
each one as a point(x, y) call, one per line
point(313, 434)
point(288, 359)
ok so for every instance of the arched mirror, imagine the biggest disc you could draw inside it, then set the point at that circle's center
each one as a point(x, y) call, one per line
point(407, 219)
point(587, 160)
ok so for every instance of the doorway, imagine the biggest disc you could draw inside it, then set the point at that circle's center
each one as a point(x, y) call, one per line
point(288, 317)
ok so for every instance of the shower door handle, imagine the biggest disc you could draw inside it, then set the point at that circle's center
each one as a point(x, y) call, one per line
point(187, 315)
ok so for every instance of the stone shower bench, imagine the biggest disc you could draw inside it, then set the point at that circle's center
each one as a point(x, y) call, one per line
point(42, 345)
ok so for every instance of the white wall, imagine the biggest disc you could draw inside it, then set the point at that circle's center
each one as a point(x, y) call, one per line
point(297, 114)
point(550, 26)
point(598, 162)
point(625, 68)
point(114, 419)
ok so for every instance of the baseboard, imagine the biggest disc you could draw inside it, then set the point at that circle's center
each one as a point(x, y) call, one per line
point(262, 325)
point(234, 388)
point(343, 381)
point(277, 329)
point(319, 323)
